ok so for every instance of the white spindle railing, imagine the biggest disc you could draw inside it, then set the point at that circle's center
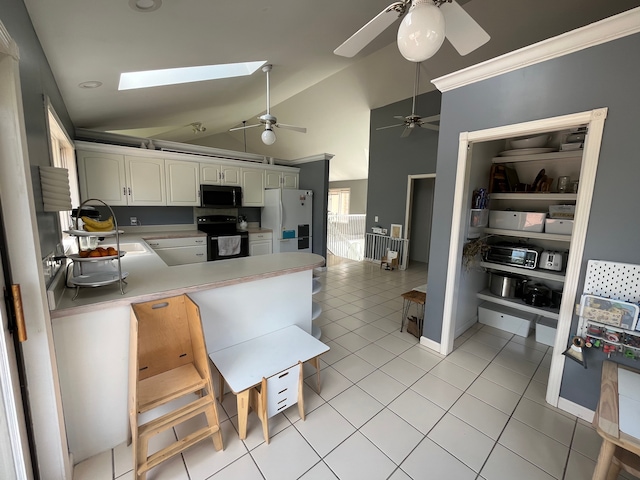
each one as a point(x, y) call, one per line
point(345, 235)
point(376, 247)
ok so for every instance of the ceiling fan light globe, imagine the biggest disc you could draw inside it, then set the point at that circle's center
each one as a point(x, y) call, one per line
point(268, 137)
point(421, 32)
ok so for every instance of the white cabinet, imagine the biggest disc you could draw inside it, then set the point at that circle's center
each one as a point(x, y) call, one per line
point(252, 187)
point(145, 181)
point(215, 174)
point(101, 175)
point(281, 179)
point(260, 243)
point(180, 250)
point(183, 183)
point(121, 179)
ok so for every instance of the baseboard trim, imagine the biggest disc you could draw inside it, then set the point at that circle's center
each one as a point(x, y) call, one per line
point(430, 344)
point(575, 409)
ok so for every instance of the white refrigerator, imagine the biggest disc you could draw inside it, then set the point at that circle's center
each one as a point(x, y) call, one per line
point(288, 214)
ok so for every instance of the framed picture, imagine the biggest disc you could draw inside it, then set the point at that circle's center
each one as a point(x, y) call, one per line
point(396, 231)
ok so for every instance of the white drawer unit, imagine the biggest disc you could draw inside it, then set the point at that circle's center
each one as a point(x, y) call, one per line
point(180, 250)
point(183, 255)
point(260, 243)
point(176, 242)
point(505, 318)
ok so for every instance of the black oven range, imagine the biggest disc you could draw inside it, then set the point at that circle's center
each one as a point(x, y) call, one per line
point(223, 239)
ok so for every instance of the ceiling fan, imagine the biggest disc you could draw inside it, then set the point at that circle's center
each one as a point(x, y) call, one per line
point(413, 121)
point(422, 30)
point(268, 120)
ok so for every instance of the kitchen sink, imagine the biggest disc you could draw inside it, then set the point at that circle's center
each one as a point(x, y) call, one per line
point(131, 248)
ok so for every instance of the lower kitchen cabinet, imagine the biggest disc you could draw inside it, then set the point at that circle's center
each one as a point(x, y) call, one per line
point(181, 250)
point(260, 243)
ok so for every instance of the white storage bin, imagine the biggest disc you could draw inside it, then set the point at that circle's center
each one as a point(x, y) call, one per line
point(546, 330)
point(558, 226)
point(524, 221)
point(505, 318)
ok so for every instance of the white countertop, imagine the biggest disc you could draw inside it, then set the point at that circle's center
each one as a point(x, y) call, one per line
point(150, 278)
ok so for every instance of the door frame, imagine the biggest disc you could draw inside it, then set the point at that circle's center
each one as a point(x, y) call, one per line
point(408, 213)
point(591, 152)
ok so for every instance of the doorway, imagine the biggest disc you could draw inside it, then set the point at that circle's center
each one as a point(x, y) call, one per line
point(418, 216)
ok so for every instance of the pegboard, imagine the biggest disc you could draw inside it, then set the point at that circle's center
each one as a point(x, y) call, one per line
point(619, 281)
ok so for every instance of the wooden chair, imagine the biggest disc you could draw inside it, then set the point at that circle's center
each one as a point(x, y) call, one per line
point(626, 461)
point(168, 360)
point(277, 393)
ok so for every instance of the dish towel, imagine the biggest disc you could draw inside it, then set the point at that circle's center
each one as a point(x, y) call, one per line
point(229, 245)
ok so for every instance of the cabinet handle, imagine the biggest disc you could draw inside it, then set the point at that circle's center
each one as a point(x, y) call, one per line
point(124, 191)
point(129, 190)
point(199, 241)
point(199, 254)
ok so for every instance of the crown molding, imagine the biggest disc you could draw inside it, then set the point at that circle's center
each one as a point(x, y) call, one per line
point(612, 28)
point(312, 158)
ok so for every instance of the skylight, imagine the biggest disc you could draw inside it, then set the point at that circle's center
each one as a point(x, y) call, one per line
point(172, 76)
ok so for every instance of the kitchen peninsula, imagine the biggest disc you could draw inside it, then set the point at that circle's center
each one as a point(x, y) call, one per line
point(239, 299)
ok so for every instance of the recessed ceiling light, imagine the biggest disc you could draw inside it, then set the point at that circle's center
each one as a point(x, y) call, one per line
point(171, 76)
point(90, 84)
point(145, 5)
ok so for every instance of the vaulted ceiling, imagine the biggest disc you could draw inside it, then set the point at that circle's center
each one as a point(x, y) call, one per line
point(96, 40)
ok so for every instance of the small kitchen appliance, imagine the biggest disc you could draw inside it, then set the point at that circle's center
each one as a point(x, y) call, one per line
point(514, 255)
point(220, 196)
point(551, 260)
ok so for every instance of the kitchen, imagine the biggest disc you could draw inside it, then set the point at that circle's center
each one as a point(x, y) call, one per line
point(595, 249)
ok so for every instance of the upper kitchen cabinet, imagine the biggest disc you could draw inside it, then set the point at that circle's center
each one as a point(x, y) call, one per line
point(145, 181)
point(281, 179)
point(215, 174)
point(183, 183)
point(102, 176)
point(121, 180)
point(253, 187)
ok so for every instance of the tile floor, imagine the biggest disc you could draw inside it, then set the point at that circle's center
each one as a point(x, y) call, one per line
point(392, 409)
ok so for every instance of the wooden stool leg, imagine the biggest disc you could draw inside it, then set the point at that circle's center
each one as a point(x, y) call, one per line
point(316, 363)
point(141, 456)
point(212, 419)
point(614, 471)
point(604, 460)
point(221, 385)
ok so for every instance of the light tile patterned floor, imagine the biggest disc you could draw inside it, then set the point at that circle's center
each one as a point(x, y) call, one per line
point(392, 409)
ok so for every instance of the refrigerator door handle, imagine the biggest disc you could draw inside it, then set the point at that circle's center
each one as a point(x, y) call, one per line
point(281, 214)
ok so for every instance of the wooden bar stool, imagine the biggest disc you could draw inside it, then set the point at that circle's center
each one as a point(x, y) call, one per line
point(419, 299)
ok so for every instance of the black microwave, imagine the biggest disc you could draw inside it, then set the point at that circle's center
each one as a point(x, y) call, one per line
point(220, 196)
point(514, 255)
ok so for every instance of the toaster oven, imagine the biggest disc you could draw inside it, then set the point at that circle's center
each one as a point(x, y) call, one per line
point(514, 255)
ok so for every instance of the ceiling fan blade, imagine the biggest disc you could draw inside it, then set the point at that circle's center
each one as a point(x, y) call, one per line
point(244, 127)
point(399, 117)
point(464, 33)
point(406, 132)
point(428, 126)
point(432, 118)
point(366, 34)
point(291, 127)
point(390, 126)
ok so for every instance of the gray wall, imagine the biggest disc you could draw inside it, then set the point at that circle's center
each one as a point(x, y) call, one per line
point(315, 176)
point(600, 76)
point(392, 159)
point(36, 81)
point(357, 194)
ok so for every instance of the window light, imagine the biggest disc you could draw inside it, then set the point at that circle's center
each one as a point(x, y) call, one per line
point(171, 76)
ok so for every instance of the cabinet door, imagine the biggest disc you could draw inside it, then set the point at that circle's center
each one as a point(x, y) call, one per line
point(209, 174)
point(231, 175)
point(290, 180)
point(183, 183)
point(272, 179)
point(182, 255)
point(145, 179)
point(252, 188)
point(259, 248)
point(102, 176)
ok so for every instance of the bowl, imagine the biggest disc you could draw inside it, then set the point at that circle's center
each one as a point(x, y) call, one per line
point(530, 142)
